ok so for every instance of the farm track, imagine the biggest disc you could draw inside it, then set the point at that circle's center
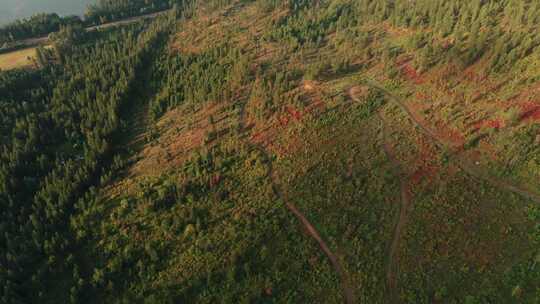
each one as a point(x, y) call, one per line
point(311, 230)
point(462, 162)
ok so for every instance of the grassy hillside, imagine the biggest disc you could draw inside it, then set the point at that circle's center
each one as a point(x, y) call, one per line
point(307, 152)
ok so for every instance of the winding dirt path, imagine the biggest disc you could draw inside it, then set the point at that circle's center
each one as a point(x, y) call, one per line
point(312, 231)
point(348, 293)
point(392, 269)
point(462, 162)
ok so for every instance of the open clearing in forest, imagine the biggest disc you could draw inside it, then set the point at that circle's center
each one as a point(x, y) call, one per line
point(17, 59)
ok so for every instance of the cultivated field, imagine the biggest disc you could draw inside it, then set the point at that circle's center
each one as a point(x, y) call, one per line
point(17, 59)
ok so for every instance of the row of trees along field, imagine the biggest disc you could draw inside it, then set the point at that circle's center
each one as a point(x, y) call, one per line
point(57, 124)
point(103, 11)
point(36, 26)
point(111, 10)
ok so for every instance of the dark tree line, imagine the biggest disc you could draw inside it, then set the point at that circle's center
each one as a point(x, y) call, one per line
point(104, 11)
point(36, 26)
point(111, 10)
point(57, 126)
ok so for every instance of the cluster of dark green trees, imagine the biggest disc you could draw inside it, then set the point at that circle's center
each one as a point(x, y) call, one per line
point(104, 11)
point(215, 75)
point(57, 126)
point(110, 10)
point(500, 30)
point(38, 25)
point(461, 32)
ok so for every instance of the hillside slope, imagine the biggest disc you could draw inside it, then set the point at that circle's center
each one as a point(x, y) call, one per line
point(306, 152)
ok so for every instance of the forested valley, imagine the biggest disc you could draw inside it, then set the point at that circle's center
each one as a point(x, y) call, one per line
point(274, 151)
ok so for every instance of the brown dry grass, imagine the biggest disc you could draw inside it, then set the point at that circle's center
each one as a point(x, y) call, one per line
point(280, 133)
point(240, 27)
point(181, 132)
point(17, 59)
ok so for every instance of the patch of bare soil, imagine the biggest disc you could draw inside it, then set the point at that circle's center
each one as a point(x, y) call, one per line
point(358, 93)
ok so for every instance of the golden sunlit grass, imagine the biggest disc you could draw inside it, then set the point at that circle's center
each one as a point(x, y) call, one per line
point(17, 59)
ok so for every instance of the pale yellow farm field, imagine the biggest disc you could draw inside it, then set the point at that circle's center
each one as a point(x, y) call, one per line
point(17, 59)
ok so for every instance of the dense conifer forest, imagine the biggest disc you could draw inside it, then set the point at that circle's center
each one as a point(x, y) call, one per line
point(274, 151)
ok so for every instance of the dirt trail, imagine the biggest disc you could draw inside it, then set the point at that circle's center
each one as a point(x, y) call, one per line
point(462, 162)
point(312, 231)
point(349, 296)
point(392, 269)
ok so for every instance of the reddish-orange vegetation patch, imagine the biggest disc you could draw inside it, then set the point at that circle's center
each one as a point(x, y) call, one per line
point(290, 113)
point(214, 180)
point(273, 140)
point(530, 111)
point(423, 173)
point(179, 137)
point(487, 150)
point(410, 73)
point(422, 96)
point(451, 135)
point(268, 137)
point(294, 113)
point(271, 133)
point(425, 167)
point(286, 118)
point(489, 124)
point(471, 73)
point(441, 130)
